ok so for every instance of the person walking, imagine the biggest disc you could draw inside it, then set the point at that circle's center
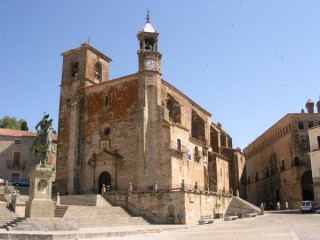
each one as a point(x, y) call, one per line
point(278, 206)
point(287, 205)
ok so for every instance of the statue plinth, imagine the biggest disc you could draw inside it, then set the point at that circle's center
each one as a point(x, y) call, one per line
point(40, 204)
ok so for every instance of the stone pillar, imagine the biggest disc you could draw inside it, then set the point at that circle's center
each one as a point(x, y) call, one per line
point(40, 204)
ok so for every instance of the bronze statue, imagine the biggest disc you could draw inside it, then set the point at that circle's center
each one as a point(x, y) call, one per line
point(42, 144)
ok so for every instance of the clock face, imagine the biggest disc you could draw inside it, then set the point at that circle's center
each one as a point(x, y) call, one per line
point(150, 64)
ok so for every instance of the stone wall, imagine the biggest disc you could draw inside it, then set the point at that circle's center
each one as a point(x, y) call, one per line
point(173, 207)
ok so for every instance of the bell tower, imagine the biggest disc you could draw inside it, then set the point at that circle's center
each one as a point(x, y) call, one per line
point(149, 57)
point(149, 85)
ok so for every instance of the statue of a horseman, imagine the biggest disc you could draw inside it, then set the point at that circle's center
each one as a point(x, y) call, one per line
point(42, 144)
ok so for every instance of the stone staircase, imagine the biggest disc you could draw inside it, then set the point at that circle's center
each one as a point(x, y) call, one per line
point(82, 211)
point(83, 200)
point(6, 215)
point(96, 211)
point(233, 208)
point(90, 216)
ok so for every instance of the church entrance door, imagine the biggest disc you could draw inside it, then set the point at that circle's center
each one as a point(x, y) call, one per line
point(105, 178)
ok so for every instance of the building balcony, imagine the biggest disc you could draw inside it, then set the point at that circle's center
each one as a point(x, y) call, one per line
point(16, 166)
point(177, 148)
point(198, 156)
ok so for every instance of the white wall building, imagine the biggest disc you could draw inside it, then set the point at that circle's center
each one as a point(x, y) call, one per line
point(314, 139)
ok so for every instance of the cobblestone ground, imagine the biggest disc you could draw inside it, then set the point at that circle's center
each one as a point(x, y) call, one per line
point(267, 227)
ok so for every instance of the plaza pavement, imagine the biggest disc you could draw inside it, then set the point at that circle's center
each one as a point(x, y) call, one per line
point(271, 226)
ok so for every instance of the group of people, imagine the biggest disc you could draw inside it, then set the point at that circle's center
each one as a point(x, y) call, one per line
point(278, 205)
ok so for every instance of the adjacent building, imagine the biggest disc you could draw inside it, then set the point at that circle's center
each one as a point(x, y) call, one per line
point(314, 139)
point(16, 158)
point(278, 162)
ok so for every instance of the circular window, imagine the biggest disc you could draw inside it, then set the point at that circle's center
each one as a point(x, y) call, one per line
point(107, 131)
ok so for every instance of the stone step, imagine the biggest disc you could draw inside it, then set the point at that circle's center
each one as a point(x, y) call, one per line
point(59, 211)
point(40, 224)
point(246, 207)
point(6, 214)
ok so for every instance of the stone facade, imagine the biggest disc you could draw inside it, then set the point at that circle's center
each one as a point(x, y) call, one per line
point(278, 163)
point(314, 139)
point(175, 207)
point(137, 129)
point(16, 160)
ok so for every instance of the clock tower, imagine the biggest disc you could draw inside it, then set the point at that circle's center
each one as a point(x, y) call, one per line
point(149, 99)
point(149, 57)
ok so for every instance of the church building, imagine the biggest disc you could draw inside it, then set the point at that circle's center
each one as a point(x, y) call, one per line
point(137, 130)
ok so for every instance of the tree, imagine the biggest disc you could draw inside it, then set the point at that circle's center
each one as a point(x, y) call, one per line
point(13, 123)
point(24, 125)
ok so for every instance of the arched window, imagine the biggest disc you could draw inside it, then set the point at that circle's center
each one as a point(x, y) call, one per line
point(174, 110)
point(97, 71)
point(75, 70)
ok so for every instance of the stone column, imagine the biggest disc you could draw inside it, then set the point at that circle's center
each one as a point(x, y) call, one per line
point(40, 204)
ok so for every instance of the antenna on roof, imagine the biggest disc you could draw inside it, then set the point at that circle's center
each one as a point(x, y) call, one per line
point(88, 40)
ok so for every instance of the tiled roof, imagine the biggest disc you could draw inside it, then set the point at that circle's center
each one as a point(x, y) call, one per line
point(16, 133)
point(20, 133)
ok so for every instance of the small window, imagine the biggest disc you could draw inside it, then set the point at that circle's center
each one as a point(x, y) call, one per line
point(16, 158)
point(106, 101)
point(15, 177)
point(107, 131)
point(75, 70)
point(283, 167)
point(300, 125)
point(17, 141)
point(318, 123)
point(310, 124)
point(318, 138)
point(221, 172)
point(196, 151)
point(179, 144)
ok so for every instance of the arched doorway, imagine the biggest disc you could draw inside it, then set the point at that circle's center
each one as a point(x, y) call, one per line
point(307, 186)
point(105, 179)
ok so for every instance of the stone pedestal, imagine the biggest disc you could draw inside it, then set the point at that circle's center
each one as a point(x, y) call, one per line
point(40, 204)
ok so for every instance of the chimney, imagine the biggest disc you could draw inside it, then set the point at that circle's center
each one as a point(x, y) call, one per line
point(318, 106)
point(309, 106)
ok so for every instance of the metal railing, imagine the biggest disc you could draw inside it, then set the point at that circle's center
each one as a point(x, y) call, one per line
point(11, 165)
point(179, 148)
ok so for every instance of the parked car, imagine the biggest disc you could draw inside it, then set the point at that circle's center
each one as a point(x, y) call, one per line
point(308, 206)
point(19, 183)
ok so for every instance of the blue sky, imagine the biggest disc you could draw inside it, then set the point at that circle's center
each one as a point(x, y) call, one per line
point(248, 63)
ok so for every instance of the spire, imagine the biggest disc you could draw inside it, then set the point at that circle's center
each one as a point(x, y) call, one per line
point(148, 17)
point(148, 27)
